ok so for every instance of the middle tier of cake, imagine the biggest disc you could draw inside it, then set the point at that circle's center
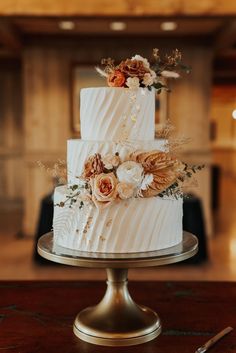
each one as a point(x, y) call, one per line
point(78, 151)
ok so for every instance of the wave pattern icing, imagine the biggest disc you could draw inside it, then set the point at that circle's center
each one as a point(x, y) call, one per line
point(114, 114)
point(78, 151)
point(158, 225)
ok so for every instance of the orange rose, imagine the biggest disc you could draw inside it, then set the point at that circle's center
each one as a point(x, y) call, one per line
point(116, 79)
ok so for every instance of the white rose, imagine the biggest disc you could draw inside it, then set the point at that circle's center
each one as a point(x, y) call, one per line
point(147, 79)
point(140, 58)
point(130, 172)
point(125, 190)
point(169, 74)
point(132, 82)
point(147, 180)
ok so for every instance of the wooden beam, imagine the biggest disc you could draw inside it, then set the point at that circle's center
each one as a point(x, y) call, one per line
point(224, 68)
point(9, 38)
point(117, 8)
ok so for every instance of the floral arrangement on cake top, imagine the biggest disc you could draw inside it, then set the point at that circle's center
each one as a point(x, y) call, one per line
point(107, 179)
point(138, 72)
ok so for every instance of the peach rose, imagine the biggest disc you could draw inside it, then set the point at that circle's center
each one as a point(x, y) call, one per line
point(104, 189)
point(116, 79)
point(111, 160)
point(125, 190)
point(147, 80)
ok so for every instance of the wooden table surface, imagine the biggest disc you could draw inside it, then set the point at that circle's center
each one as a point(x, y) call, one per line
point(38, 316)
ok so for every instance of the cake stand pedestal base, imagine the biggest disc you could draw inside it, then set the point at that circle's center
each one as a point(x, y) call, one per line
point(117, 320)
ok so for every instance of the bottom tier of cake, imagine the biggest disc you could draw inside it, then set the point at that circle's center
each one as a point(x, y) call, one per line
point(136, 225)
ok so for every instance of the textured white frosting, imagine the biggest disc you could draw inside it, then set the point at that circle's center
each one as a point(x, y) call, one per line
point(115, 120)
point(114, 114)
point(78, 151)
point(127, 226)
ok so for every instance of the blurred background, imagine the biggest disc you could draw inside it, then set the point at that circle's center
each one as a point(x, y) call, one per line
point(48, 50)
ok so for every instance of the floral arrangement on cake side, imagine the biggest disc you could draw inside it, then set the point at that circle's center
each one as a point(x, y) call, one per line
point(138, 72)
point(107, 179)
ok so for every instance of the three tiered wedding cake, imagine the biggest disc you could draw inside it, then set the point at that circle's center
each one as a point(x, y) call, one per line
point(118, 197)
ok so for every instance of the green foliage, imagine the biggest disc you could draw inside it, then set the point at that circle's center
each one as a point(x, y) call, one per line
point(175, 190)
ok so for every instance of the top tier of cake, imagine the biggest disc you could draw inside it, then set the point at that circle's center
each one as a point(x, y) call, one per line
point(116, 114)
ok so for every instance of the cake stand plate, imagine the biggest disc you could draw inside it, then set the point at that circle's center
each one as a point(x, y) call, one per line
point(117, 320)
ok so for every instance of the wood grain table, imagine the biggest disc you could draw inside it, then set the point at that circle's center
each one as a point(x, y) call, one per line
point(37, 316)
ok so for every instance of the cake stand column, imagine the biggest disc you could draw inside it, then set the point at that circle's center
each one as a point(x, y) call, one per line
point(117, 320)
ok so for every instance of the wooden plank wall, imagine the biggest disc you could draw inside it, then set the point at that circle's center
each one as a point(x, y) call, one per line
point(224, 143)
point(223, 104)
point(11, 136)
point(46, 123)
point(189, 108)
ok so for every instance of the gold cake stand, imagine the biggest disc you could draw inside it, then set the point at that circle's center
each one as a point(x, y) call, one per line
point(117, 320)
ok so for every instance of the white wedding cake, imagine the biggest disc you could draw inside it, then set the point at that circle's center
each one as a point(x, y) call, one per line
point(117, 199)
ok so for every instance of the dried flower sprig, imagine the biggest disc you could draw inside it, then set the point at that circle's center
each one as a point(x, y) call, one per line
point(109, 65)
point(164, 131)
point(169, 62)
point(58, 171)
point(175, 144)
point(73, 195)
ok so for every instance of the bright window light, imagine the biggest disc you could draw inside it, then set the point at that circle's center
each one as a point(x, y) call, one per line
point(66, 25)
point(118, 26)
point(168, 26)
